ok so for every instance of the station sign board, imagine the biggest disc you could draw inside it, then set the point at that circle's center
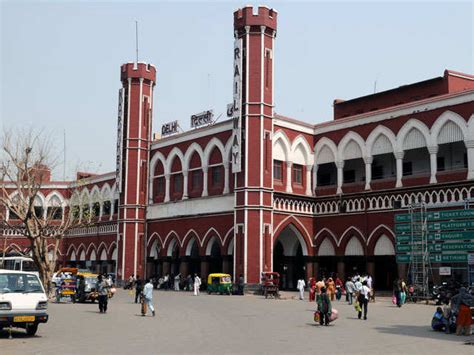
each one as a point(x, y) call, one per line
point(450, 247)
point(202, 119)
point(235, 111)
point(451, 225)
point(445, 271)
point(451, 235)
point(170, 128)
point(435, 258)
point(435, 216)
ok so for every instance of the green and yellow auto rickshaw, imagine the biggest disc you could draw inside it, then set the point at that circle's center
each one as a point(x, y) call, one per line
point(219, 283)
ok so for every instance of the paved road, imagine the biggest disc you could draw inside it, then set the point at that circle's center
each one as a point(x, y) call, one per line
point(232, 324)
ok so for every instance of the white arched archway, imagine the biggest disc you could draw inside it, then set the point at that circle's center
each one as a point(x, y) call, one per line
point(354, 248)
point(384, 246)
point(326, 248)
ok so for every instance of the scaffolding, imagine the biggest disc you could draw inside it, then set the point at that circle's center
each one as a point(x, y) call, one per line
point(419, 268)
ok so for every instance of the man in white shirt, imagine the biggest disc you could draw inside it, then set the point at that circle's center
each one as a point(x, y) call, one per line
point(350, 288)
point(358, 285)
point(300, 286)
point(148, 297)
point(364, 295)
point(197, 284)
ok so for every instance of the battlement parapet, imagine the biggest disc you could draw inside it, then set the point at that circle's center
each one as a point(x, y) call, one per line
point(138, 70)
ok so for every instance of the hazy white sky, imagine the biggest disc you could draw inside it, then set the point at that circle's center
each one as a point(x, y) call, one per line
point(60, 60)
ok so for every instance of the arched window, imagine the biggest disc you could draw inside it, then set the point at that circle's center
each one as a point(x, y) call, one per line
point(216, 173)
point(159, 183)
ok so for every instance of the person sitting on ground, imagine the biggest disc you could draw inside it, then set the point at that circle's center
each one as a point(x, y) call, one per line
point(439, 322)
point(324, 307)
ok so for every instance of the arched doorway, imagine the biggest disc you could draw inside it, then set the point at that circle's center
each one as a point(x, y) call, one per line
point(215, 258)
point(385, 265)
point(192, 251)
point(288, 257)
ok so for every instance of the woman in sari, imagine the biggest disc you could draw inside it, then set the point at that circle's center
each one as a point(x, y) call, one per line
point(331, 288)
point(461, 305)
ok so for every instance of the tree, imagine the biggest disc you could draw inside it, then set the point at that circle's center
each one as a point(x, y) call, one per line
point(26, 161)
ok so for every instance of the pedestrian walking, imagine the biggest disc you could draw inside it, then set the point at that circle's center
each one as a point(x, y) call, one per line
point(189, 283)
point(396, 292)
point(461, 303)
point(138, 288)
point(177, 280)
point(148, 298)
point(300, 286)
point(331, 288)
point(241, 285)
point(363, 298)
point(324, 307)
point(312, 289)
point(102, 288)
point(197, 284)
point(350, 288)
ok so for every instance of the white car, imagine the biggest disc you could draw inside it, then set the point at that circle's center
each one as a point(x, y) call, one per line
point(23, 301)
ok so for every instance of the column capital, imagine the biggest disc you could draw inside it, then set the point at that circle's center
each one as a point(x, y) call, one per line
point(469, 143)
point(339, 164)
point(205, 168)
point(368, 160)
point(433, 149)
point(310, 167)
point(185, 173)
point(262, 28)
point(399, 155)
point(289, 164)
point(167, 176)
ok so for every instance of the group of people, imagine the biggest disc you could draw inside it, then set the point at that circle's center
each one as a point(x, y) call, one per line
point(455, 316)
point(325, 291)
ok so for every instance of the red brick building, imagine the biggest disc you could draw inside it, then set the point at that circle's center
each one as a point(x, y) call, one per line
point(263, 192)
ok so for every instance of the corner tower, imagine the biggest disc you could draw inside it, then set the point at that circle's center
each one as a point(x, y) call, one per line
point(254, 33)
point(133, 143)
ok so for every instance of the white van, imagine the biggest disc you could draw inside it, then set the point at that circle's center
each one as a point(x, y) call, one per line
point(23, 301)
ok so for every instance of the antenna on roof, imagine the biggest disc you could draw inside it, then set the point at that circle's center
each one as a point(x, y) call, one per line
point(136, 39)
point(375, 86)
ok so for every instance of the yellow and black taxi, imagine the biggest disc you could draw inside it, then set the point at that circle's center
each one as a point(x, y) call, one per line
point(23, 301)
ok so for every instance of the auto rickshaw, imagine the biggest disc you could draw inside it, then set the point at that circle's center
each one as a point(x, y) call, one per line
point(86, 287)
point(219, 283)
point(270, 284)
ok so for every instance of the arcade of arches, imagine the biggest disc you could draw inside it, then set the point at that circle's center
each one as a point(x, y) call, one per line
point(191, 258)
point(294, 259)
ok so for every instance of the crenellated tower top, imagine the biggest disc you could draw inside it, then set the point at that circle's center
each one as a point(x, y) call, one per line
point(138, 70)
point(260, 16)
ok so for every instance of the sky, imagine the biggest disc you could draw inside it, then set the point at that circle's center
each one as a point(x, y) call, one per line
point(60, 61)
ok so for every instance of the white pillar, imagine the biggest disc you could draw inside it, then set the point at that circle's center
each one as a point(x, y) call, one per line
point(433, 163)
point(309, 191)
point(470, 159)
point(185, 184)
point(226, 177)
point(289, 166)
point(315, 178)
point(399, 158)
point(167, 187)
point(204, 180)
point(368, 171)
point(340, 175)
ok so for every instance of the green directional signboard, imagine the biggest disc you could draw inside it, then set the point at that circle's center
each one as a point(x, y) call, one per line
point(451, 225)
point(452, 235)
point(451, 247)
point(406, 217)
point(407, 227)
point(435, 216)
point(407, 247)
point(435, 258)
point(453, 214)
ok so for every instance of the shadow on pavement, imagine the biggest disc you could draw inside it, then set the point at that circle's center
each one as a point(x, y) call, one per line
point(16, 334)
point(420, 332)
